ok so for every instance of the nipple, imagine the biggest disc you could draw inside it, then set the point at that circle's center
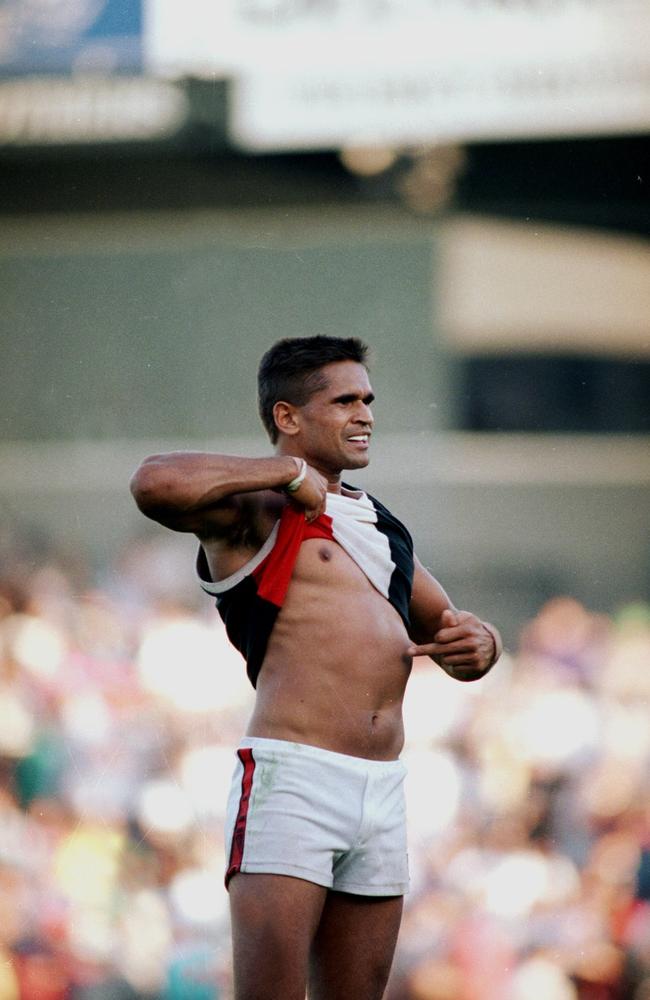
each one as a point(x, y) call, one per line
point(325, 553)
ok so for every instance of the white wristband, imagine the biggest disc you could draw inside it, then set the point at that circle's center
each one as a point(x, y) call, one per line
point(297, 482)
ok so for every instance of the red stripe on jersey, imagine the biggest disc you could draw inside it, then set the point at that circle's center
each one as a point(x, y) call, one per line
point(273, 574)
point(239, 832)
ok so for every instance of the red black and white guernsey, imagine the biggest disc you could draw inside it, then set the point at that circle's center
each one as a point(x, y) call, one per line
point(249, 601)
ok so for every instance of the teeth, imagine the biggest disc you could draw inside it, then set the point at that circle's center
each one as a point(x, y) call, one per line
point(359, 437)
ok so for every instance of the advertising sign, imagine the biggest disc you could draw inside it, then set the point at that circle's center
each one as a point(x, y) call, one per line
point(456, 72)
point(324, 73)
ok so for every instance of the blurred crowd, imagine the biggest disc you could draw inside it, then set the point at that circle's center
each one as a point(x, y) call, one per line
point(121, 703)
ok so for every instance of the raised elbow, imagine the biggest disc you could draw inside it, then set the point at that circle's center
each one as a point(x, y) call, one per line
point(151, 485)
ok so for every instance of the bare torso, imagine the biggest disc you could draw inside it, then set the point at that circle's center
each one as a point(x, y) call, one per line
point(336, 662)
point(336, 667)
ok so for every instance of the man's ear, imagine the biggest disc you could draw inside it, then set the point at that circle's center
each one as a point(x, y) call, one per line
point(286, 418)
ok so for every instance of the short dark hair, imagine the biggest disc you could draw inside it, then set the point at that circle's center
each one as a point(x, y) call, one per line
point(290, 371)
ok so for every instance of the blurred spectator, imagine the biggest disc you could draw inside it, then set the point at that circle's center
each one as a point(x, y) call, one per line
point(121, 703)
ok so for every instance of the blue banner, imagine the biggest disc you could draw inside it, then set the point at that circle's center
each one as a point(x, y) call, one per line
point(69, 36)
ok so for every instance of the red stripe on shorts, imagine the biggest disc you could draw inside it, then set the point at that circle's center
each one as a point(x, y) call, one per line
point(239, 832)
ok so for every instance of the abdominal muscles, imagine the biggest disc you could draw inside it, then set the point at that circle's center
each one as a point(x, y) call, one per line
point(336, 664)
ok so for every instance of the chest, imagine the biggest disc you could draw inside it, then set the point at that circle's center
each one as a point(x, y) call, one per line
point(321, 561)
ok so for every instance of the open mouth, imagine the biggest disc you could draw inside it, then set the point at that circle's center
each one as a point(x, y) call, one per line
point(363, 439)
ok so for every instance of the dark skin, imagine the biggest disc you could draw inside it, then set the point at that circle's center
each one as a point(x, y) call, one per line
point(287, 931)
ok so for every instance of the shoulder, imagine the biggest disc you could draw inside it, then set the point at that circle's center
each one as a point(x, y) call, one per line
point(245, 523)
point(390, 521)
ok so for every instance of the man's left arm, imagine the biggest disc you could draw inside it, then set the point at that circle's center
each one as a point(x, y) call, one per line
point(463, 645)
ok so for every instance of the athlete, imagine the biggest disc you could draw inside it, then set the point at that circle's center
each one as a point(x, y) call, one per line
point(320, 590)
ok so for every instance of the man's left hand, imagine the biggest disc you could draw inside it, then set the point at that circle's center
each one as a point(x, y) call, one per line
point(463, 647)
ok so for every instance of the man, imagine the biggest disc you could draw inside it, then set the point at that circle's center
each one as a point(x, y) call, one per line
point(319, 589)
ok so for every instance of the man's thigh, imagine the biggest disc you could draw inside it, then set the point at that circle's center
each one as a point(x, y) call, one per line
point(354, 945)
point(274, 920)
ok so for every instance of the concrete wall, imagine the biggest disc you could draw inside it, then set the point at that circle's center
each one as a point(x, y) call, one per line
point(152, 325)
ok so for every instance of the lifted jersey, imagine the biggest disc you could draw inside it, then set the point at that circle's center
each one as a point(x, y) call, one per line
point(250, 599)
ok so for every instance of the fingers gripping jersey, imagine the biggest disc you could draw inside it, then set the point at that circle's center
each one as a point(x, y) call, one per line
point(249, 601)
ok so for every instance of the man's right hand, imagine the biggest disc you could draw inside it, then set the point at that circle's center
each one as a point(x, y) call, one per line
point(311, 495)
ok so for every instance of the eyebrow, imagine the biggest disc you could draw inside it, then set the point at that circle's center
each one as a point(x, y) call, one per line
point(350, 397)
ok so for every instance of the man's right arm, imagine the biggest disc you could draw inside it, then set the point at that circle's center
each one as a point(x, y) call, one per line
point(201, 492)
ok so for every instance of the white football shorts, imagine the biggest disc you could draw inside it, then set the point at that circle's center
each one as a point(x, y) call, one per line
point(326, 817)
